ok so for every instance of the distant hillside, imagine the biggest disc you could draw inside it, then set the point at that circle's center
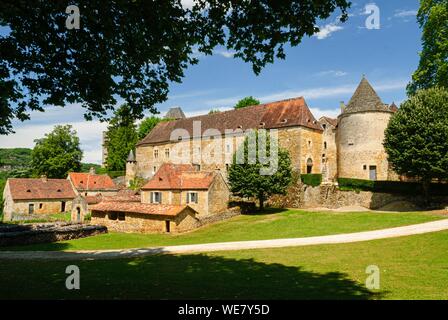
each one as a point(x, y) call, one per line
point(15, 158)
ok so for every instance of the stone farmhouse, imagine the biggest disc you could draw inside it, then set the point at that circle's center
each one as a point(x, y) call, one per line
point(204, 191)
point(37, 196)
point(350, 146)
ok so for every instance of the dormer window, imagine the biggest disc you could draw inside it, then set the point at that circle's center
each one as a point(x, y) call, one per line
point(28, 190)
point(284, 120)
point(262, 124)
point(59, 190)
point(240, 127)
point(179, 138)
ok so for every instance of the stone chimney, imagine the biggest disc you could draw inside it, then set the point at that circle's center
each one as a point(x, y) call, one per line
point(43, 178)
point(92, 170)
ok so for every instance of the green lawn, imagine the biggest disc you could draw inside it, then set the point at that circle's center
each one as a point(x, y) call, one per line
point(273, 225)
point(414, 267)
point(55, 217)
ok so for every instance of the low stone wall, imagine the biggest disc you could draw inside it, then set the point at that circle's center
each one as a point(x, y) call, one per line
point(217, 217)
point(329, 196)
point(12, 235)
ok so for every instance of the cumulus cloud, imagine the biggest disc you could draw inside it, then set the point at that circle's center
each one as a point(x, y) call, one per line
point(327, 30)
point(405, 13)
point(332, 73)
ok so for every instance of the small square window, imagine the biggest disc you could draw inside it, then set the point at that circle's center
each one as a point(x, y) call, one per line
point(192, 197)
point(364, 167)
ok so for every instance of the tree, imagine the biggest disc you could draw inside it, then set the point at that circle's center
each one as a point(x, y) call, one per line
point(121, 138)
point(433, 67)
point(246, 180)
point(133, 50)
point(57, 154)
point(147, 125)
point(246, 102)
point(213, 111)
point(416, 139)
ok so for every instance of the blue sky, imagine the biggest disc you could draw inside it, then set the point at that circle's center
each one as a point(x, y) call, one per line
point(325, 69)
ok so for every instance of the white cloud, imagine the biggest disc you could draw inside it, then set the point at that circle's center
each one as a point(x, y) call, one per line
point(89, 133)
point(405, 13)
point(225, 53)
point(313, 93)
point(327, 30)
point(333, 73)
point(318, 112)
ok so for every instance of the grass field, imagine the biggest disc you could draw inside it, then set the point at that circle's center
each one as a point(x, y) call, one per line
point(414, 267)
point(272, 225)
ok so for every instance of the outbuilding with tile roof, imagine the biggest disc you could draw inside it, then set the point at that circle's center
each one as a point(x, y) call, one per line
point(23, 196)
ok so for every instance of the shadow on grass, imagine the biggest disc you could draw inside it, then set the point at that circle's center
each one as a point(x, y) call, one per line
point(265, 211)
point(176, 277)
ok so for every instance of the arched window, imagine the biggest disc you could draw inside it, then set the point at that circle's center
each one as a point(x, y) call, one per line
point(309, 165)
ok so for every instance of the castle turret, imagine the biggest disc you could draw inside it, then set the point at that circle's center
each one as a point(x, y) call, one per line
point(360, 136)
point(131, 167)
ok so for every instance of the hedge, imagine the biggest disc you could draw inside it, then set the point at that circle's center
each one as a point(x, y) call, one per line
point(313, 180)
point(347, 184)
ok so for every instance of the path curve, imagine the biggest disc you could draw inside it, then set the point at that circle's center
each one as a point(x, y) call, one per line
point(421, 228)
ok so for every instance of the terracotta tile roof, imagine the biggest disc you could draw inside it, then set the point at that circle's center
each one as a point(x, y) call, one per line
point(93, 199)
point(179, 177)
point(91, 182)
point(34, 189)
point(138, 207)
point(285, 113)
point(333, 122)
point(124, 195)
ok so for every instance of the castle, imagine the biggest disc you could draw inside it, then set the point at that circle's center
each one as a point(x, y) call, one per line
point(350, 146)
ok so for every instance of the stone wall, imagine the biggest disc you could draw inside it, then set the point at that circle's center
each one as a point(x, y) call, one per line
point(143, 223)
point(329, 196)
point(12, 235)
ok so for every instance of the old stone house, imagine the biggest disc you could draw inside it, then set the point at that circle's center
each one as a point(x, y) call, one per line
point(36, 196)
point(350, 146)
point(125, 216)
point(92, 184)
point(204, 191)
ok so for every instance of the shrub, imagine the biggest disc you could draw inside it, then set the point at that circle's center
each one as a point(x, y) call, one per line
point(413, 188)
point(116, 174)
point(313, 180)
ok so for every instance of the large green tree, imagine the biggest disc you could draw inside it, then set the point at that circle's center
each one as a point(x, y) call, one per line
point(133, 49)
point(246, 176)
point(433, 67)
point(416, 139)
point(147, 125)
point(246, 102)
point(121, 138)
point(57, 154)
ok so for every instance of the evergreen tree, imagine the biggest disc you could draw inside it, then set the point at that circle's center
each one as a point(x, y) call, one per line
point(246, 102)
point(122, 137)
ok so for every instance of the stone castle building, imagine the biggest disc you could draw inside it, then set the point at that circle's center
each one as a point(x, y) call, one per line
point(350, 146)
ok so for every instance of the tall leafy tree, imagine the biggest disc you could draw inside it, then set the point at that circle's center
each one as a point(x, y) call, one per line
point(416, 139)
point(246, 102)
point(246, 179)
point(133, 49)
point(121, 138)
point(147, 125)
point(57, 154)
point(433, 67)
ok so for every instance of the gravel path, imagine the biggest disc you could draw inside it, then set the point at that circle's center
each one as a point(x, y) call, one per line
point(225, 246)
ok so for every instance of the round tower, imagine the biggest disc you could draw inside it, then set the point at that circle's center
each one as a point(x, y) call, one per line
point(131, 168)
point(360, 136)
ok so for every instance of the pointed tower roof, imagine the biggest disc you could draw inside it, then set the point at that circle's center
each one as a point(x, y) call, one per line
point(175, 113)
point(131, 157)
point(365, 99)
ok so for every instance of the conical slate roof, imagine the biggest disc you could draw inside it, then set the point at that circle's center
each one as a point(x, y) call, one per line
point(131, 157)
point(175, 113)
point(365, 99)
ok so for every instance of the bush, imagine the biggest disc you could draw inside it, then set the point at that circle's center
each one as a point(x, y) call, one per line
point(313, 180)
point(413, 188)
point(116, 174)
